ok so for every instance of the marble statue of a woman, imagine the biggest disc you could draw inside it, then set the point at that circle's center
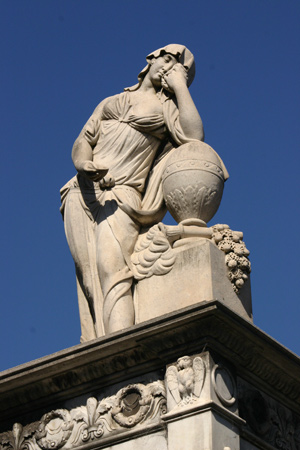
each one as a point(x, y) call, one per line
point(119, 156)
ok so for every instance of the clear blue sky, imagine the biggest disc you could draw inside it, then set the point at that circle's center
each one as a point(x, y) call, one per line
point(59, 58)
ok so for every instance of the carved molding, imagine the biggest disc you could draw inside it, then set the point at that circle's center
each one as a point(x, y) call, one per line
point(244, 353)
point(149, 347)
point(131, 406)
point(192, 164)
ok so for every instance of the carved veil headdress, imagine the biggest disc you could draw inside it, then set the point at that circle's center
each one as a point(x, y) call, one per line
point(181, 53)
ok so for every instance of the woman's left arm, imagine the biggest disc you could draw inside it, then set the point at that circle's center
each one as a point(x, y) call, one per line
point(189, 118)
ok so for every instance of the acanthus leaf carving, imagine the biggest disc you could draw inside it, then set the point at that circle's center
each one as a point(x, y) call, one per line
point(189, 200)
point(88, 418)
point(20, 438)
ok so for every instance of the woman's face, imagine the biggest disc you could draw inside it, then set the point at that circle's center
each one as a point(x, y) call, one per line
point(159, 66)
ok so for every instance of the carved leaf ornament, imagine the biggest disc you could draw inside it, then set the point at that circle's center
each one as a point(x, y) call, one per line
point(89, 418)
point(190, 201)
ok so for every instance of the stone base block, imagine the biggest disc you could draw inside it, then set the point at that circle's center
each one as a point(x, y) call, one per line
point(206, 430)
point(198, 275)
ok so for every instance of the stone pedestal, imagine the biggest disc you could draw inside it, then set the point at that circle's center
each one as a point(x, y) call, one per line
point(199, 274)
point(201, 378)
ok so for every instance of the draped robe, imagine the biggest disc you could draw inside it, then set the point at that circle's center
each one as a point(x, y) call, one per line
point(130, 146)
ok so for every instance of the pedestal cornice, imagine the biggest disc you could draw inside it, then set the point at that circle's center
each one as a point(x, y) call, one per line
point(150, 346)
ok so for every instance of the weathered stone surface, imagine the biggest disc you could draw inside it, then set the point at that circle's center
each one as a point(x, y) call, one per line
point(206, 430)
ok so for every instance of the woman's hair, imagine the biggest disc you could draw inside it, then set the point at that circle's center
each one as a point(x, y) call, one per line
point(180, 52)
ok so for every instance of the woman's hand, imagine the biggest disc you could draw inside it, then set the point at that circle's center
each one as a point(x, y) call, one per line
point(175, 78)
point(91, 170)
point(107, 181)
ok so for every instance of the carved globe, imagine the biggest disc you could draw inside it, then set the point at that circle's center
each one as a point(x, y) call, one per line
point(193, 182)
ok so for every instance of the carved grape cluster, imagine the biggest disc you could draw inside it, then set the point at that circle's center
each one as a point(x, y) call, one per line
point(236, 254)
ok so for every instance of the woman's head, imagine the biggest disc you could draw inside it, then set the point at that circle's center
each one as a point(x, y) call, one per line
point(159, 66)
point(179, 52)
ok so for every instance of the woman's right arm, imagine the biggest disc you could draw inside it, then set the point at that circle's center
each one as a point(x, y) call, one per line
point(82, 152)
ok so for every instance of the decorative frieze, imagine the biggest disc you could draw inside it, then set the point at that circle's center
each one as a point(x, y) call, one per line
point(268, 420)
point(130, 407)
